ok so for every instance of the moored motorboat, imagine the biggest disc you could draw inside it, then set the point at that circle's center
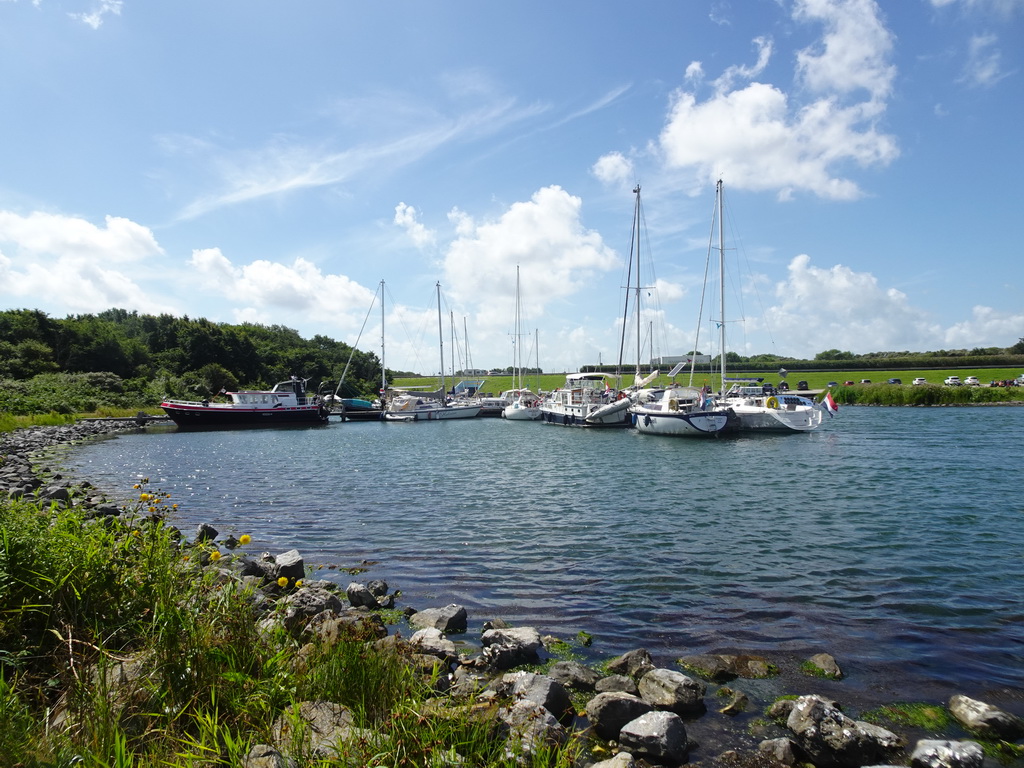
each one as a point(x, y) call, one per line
point(751, 409)
point(586, 400)
point(286, 404)
point(426, 406)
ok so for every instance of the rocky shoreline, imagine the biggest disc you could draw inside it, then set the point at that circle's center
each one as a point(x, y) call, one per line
point(639, 710)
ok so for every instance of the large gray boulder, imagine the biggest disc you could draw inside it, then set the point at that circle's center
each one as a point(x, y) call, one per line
point(432, 642)
point(315, 728)
point(608, 712)
point(507, 648)
point(543, 690)
point(306, 603)
point(574, 675)
point(985, 720)
point(833, 740)
point(533, 726)
point(634, 664)
point(659, 736)
point(451, 618)
point(930, 753)
point(672, 691)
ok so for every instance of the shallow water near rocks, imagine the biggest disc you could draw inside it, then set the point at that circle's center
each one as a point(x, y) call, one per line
point(892, 538)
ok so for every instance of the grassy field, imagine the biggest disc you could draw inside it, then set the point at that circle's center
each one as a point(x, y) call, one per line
point(815, 380)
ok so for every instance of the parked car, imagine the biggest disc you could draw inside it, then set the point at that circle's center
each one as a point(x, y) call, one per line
point(783, 386)
point(895, 381)
point(847, 383)
point(952, 381)
point(919, 381)
point(833, 384)
point(972, 381)
point(801, 386)
point(865, 381)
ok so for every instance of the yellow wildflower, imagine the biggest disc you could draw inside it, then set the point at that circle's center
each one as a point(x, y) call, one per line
point(215, 555)
point(283, 581)
point(244, 539)
point(298, 583)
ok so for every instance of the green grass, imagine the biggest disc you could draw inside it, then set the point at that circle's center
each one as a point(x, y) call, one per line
point(86, 605)
point(876, 393)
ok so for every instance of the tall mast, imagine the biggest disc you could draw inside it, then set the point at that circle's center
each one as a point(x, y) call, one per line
point(634, 247)
point(721, 275)
point(383, 370)
point(517, 353)
point(440, 340)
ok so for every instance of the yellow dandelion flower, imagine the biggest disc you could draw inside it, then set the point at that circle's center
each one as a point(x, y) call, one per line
point(298, 583)
point(283, 581)
point(244, 539)
point(136, 486)
point(174, 506)
point(215, 555)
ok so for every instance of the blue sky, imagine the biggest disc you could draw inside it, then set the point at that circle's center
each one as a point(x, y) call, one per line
point(273, 162)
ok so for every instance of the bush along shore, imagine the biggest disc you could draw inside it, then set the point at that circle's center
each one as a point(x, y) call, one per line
point(124, 642)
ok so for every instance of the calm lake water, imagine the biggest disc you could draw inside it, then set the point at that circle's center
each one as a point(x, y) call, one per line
point(892, 538)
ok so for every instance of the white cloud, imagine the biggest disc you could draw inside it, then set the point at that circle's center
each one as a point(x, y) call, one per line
point(45, 234)
point(760, 138)
point(854, 52)
point(838, 308)
point(613, 168)
point(72, 264)
point(264, 288)
point(94, 18)
point(406, 217)
point(985, 324)
point(285, 164)
point(984, 62)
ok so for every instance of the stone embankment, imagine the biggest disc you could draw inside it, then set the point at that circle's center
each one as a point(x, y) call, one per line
point(632, 710)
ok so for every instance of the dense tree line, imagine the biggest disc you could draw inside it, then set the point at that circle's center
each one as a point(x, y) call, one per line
point(176, 356)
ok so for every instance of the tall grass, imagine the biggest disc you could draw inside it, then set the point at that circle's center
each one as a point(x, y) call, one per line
point(121, 646)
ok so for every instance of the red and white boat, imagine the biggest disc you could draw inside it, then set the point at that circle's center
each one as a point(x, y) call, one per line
point(286, 404)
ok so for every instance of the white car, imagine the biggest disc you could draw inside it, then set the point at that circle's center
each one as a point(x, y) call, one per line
point(918, 381)
point(972, 381)
point(952, 381)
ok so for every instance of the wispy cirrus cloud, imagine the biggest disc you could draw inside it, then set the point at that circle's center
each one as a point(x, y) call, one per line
point(287, 164)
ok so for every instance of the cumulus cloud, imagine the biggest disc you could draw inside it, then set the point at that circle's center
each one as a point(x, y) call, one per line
point(264, 288)
point(544, 236)
point(761, 138)
point(838, 308)
point(613, 168)
point(406, 217)
point(984, 325)
point(75, 265)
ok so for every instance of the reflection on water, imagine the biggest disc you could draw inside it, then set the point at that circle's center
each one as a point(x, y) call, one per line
point(891, 537)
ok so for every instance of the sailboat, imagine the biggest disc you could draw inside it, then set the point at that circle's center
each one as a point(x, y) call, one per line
point(588, 399)
point(676, 410)
point(525, 405)
point(429, 406)
point(357, 408)
point(749, 407)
